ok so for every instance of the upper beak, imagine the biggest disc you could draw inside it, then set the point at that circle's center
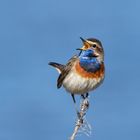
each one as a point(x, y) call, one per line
point(83, 40)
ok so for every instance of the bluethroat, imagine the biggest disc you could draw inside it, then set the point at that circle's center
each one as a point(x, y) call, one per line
point(83, 72)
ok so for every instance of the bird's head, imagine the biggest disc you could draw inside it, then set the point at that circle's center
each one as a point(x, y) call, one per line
point(95, 46)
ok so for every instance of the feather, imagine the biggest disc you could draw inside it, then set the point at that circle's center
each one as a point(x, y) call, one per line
point(57, 66)
point(66, 70)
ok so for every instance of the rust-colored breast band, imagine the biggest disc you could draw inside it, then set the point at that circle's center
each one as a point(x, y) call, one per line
point(99, 73)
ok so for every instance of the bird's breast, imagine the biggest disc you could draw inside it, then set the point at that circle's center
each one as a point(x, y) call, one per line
point(79, 81)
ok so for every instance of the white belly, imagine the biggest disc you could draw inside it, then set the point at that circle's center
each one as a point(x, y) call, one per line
point(76, 84)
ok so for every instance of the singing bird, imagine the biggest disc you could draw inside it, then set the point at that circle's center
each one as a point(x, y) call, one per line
point(84, 72)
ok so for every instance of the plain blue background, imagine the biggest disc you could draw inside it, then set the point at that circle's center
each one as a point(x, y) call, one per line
point(34, 32)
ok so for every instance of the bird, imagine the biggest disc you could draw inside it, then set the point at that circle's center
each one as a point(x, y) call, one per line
point(84, 72)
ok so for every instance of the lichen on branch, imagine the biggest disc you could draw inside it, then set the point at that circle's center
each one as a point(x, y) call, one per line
point(81, 122)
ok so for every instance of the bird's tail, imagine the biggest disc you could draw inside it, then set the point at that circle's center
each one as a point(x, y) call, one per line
point(58, 67)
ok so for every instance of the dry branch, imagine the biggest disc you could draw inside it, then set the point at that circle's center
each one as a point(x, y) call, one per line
point(80, 120)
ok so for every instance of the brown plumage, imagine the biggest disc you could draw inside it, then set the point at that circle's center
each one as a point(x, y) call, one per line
point(63, 69)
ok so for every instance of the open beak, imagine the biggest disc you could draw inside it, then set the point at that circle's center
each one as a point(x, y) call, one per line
point(86, 45)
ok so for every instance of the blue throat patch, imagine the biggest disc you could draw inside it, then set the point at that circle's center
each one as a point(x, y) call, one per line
point(88, 62)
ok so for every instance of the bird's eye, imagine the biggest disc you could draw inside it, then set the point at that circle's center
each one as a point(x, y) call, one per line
point(94, 46)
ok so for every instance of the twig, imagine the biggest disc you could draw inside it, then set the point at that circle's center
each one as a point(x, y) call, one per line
point(83, 108)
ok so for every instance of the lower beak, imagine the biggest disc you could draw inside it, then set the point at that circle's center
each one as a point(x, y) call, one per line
point(80, 49)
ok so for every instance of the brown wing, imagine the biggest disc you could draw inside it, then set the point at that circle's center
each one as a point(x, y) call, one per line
point(66, 70)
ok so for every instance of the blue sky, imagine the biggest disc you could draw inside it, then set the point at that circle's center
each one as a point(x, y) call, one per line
point(34, 32)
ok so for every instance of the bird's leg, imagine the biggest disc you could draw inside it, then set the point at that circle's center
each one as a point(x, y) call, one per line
point(87, 95)
point(84, 96)
point(73, 98)
point(75, 105)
